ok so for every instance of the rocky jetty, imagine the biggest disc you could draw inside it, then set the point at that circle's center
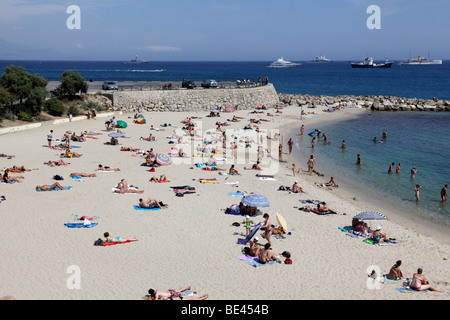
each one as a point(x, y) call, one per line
point(375, 103)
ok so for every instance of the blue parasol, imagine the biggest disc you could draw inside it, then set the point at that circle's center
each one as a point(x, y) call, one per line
point(116, 135)
point(255, 200)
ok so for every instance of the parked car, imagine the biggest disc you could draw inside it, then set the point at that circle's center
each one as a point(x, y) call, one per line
point(209, 84)
point(109, 85)
point(188, 84)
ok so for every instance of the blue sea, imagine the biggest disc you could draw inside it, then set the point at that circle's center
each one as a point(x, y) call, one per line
point(414, 139)
point(418, 139)
point(315, 79)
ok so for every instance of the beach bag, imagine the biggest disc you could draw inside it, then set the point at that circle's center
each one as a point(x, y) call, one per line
point(58, 177)
point(98, 242)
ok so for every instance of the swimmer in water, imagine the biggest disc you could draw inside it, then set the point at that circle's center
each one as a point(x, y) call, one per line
point(444, 194)
point(358, 160)
point(343, 144)
point(397, 170)
point(413, 172)
point(390, 167)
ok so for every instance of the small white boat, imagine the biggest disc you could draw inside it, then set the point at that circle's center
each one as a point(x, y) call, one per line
point(321, 59)
point(281, 63)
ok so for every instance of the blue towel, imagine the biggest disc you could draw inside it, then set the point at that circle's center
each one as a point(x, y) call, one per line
point(145, 209)
point(80, 225)
point(255, 263)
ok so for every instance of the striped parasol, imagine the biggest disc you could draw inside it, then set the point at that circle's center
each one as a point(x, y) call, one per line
point(163, 160)
point(370, 215)
point(255, 200)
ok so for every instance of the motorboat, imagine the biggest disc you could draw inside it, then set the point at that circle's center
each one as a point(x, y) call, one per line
point(281, 63)
point(368, 63)
point(321, 59)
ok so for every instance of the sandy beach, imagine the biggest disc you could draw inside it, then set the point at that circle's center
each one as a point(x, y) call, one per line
point(193, 242)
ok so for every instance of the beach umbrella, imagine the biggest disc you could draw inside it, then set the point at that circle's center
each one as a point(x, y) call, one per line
point(141, 121)
point(255, 200)
point(370, 215)
point(122, 124)
point(141, 116)
point(163, 160)
point(282, 222)
point(116, 135)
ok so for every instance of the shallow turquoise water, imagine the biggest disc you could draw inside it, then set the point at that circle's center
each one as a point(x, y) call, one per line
point(414, 139)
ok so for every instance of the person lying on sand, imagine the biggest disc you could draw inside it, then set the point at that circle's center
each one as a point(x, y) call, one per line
point(56, 163)
point(76, 138)
point(102, 168)
point(84, 175)
point(127, 149)
point(150, 138)
point(7, 179)
point(150, 204)
point(254, 167)
point(160, 179)
point(53, 187)
point(16, 169)
point(2, 155)
point(110, 239)
point(174, 295)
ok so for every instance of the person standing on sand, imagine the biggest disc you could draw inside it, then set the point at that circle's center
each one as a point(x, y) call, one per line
point(302, 129)
point(293, 169)
point(417, 189)
point(50, 138)
point(444, 194)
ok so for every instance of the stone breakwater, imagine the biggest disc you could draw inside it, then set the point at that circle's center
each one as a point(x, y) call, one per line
point(193, 100)
point(375, 103)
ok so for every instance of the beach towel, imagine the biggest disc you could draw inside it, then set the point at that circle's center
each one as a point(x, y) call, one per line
point(409, 290)
point(246, 257)
point(250, 235)
point(311, 202)
point(65, 189)
point(267, 179)
point(237, 194)
point(136, 207)
point(370, 241)
point(107, 244)
point(345, 229)
point(209, 181)
point(78, 178)
point(256, 263)
point(80, 225)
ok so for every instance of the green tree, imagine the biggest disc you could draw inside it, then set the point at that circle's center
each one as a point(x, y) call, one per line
point(72, 83)
point(28, 89)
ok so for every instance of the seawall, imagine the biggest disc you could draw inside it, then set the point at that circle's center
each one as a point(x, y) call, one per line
point(198, 99)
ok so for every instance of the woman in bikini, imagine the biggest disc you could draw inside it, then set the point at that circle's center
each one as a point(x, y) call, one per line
point(395, 273)
point(420, 283)
point(110, 239)
point(266, 256)
point(53, 187)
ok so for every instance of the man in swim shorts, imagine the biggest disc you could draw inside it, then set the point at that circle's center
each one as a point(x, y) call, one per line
point(444, 194)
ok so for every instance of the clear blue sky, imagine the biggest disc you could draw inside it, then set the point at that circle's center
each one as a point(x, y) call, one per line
point(231, 30)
